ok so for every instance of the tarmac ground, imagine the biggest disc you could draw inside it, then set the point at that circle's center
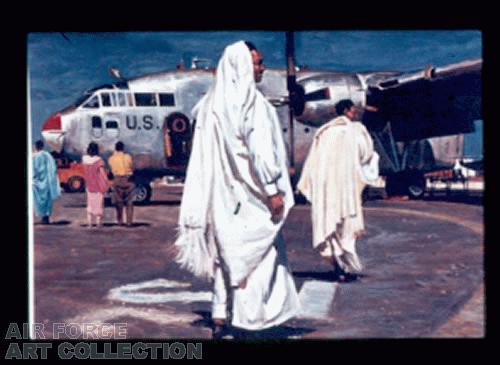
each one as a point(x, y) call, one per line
point(423, 276)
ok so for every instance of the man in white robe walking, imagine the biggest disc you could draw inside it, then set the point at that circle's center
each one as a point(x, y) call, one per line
point(340, 163)
point(236, 197)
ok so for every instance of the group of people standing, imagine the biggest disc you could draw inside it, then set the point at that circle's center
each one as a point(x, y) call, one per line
point(98, 180)
point(237, 196)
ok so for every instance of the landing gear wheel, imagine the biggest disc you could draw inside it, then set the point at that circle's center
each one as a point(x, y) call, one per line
point(75, 184)
point(142, 193)
point(411, 183)
point(415, 185)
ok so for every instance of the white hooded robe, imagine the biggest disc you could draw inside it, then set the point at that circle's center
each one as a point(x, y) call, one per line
point(237, 161)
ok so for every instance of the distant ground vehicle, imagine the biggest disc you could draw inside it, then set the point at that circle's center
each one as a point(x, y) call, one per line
point(72, 179)
point(71, 175)
point(460, 177)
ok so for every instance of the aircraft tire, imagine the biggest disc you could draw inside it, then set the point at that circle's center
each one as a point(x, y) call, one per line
point(142, 193)
point(75, 184)
point(410, 183)
point(415, 185)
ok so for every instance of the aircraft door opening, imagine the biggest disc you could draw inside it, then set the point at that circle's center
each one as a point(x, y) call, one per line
point(177, 140)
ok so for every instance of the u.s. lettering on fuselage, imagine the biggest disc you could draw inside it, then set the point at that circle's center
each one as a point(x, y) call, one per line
point(132, 122)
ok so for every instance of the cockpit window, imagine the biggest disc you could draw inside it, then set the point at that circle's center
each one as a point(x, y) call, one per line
point(167, 99)
point(92, 103)
point(106, 99)
point(145, 99)
point(122, 101)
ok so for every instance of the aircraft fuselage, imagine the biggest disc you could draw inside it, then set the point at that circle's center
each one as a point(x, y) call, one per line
point(152, 116)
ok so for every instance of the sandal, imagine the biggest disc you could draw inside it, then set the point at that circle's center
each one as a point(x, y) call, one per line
point(220, 329)
point(220, 332)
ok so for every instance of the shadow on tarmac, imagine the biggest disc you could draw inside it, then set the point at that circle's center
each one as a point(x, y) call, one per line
point(133, 225)
point(322, 276)
point(241, 334)
point(55, 223)
point(153, 203)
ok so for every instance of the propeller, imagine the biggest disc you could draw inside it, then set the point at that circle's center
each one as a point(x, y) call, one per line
point(293, 93)
point(296, 94)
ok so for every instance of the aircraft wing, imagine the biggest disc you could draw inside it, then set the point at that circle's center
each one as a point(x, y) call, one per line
point(432, 102)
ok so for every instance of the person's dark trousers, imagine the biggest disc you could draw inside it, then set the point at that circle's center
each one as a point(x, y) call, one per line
point(122, 196)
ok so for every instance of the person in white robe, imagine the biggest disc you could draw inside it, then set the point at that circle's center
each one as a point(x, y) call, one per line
point(236, 197)
point(341, 161)
point(46, 186)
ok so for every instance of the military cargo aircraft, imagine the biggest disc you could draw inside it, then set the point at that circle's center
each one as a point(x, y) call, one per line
point(408, 114)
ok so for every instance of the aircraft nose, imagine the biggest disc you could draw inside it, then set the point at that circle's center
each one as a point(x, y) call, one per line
point(52, 132)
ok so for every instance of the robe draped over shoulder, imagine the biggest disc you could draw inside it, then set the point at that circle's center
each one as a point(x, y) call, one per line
point(341, 161)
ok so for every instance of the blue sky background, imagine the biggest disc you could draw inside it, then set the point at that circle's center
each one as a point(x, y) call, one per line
point(62, 67)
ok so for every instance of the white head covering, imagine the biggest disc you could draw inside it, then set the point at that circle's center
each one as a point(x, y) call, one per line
point(234, 89)
point(224, 201)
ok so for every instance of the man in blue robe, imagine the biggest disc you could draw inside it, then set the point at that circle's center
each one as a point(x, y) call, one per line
point(45, 182)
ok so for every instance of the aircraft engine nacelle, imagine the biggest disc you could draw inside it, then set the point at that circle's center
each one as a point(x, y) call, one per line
point(340, 86)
